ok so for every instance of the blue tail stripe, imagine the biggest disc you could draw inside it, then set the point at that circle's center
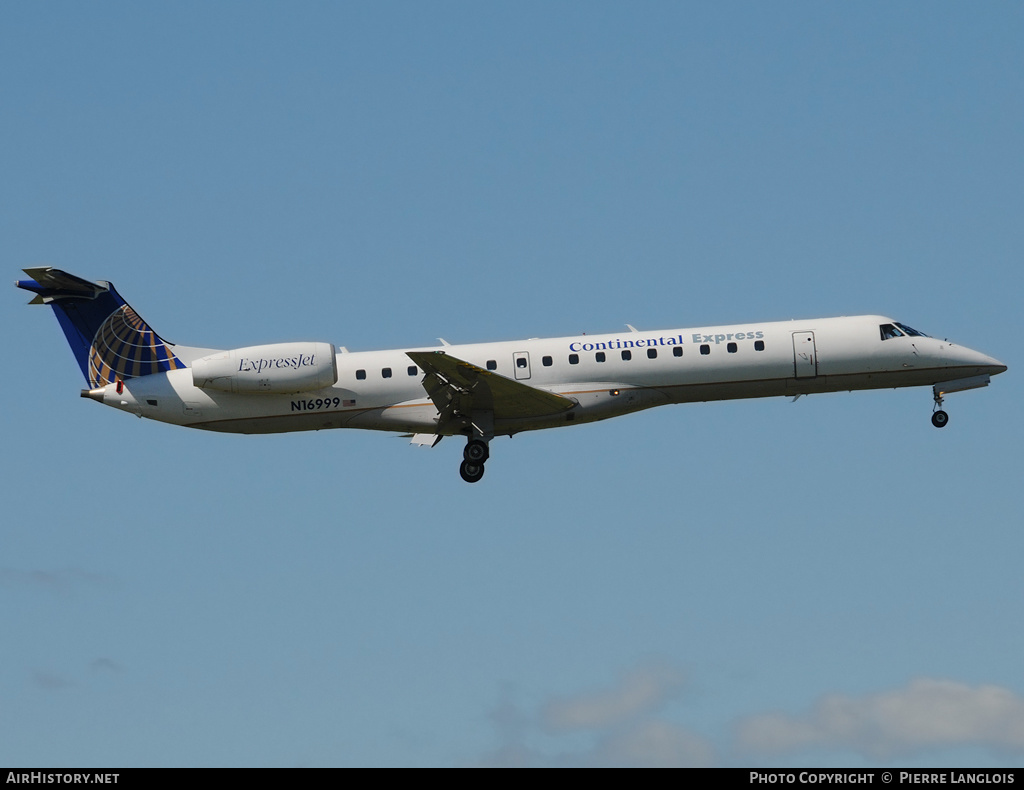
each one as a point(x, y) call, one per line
point(78, 341)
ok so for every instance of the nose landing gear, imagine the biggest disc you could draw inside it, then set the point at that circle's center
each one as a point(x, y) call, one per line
point(939, 417)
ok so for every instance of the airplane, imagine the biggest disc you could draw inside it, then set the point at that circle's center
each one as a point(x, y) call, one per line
point(483, 390)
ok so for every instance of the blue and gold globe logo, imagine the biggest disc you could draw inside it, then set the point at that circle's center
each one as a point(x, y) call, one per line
point(125, 348)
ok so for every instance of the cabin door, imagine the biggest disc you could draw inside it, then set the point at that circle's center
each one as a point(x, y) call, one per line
point(805, 359)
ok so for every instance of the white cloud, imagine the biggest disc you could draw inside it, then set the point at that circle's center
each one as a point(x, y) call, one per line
point(641, 691)
point(619, 719)
point(927, 714)
point(622, 725)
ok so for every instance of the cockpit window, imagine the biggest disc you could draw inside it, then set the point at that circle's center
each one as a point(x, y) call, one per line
point(911, 331)
point(889, 331)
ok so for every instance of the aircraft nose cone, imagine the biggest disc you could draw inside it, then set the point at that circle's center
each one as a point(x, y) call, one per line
point(993, 365)
point(960, 356)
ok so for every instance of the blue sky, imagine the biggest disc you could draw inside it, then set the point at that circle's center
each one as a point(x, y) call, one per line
point(830, 582)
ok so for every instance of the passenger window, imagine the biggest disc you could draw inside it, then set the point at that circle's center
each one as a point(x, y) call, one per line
point(546, 361)
point(492, 365)
point(705, 349)
point(652, 353)
point(758, 345)
point(732, 348)
point(574, 359)
point(627, 354)
point(677, 351)
point(386, 373)
point(521, 362)
point(360, 374)
point(599, 356)
point(412, 370)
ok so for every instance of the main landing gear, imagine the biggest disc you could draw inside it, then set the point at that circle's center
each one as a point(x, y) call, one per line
point(479, 430)
point(476, 452)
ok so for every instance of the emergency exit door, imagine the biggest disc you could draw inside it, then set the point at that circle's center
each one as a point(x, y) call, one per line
point(521, 359)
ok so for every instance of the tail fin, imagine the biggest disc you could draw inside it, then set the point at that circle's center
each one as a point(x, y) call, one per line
point(108, 338)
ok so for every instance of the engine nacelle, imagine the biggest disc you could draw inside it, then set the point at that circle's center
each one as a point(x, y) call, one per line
point(276, 368)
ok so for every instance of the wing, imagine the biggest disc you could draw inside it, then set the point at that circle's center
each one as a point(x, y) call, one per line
point(458, 387)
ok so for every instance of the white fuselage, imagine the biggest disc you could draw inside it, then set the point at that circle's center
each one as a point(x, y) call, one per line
point(382, 390)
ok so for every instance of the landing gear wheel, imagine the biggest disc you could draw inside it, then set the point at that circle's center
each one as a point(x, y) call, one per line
point(940, 418)
point(471, 472)
point(476, 451)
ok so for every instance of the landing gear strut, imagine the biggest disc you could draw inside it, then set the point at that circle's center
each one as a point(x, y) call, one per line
point(939, 417)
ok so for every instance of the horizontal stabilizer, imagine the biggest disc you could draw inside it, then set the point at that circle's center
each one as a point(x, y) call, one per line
point(49, 283)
